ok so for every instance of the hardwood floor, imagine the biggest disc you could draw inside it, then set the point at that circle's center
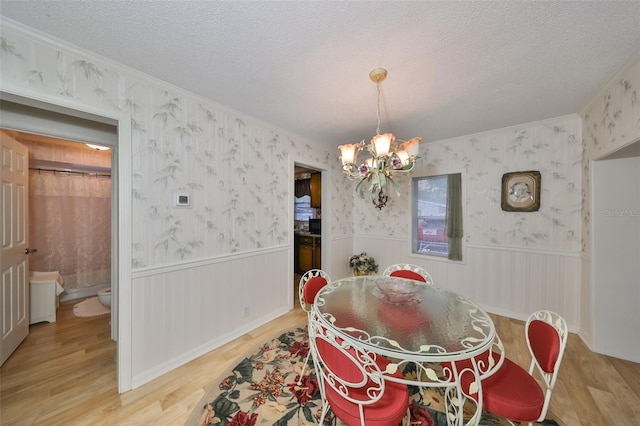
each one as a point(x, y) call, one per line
point(65, 374)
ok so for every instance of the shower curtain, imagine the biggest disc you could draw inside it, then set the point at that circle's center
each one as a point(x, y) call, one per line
point(70, 226)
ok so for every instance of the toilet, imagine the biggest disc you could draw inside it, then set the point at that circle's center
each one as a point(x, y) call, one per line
point(104, 296)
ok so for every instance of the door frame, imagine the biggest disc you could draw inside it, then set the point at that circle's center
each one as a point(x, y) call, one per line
point(326, 219)
point(121, 211)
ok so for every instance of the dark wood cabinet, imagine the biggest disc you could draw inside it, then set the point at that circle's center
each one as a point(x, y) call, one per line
point(308, 253)
point(305, 258)
point(317, 253)
point(316, 190)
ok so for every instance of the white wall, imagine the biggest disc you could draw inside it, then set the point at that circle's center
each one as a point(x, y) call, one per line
point(611, 120)
point(616, 257)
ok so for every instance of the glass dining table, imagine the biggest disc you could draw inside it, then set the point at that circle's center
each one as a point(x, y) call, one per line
point(441, 338)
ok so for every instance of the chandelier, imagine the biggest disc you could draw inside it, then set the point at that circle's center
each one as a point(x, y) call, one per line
point(387, 157)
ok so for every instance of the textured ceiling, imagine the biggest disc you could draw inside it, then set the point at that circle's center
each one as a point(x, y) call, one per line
point(455, 68)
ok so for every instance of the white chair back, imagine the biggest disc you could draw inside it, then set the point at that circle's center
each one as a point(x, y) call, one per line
point(310, 284)
point(344, 369)
point(546, 333)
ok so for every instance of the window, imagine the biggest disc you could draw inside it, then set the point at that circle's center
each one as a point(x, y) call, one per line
point(303, 210)
point(437, 216)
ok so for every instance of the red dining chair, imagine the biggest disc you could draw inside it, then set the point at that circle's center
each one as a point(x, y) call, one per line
point(513, 392)
point(408, 271)
point(352, 384)
point(311, 283)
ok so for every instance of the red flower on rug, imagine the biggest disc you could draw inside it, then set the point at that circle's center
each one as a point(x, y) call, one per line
point(299, 349)
point(307, 389)
point(243, 419)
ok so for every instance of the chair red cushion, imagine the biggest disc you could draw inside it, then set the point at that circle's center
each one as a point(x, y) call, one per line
point(410, 275)
point(388, 410)
point(510, 392)
point(312, 287)
point(545, 344)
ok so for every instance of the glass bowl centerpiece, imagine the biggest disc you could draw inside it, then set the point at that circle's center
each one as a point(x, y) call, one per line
point(398, 291)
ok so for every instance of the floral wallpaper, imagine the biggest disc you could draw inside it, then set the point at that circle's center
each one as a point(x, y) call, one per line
point(236, 167)
point(553, 147)
point(611, 121)
point(613, 118)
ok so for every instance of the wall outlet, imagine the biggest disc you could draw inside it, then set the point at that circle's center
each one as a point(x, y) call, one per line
point(246, 311)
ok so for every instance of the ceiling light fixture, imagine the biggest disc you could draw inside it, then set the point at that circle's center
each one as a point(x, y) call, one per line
point(98, 147)
point(386, 159)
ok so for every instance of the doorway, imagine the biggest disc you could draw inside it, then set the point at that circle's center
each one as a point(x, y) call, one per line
point(70, 224)
point(307, 222)
point(34, 114)
point(615, 236)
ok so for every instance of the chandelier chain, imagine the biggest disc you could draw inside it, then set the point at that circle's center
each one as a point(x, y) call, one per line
point(378, 109)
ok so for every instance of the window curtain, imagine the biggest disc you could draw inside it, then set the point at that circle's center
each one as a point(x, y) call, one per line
point(454, 216)
point(302, 187)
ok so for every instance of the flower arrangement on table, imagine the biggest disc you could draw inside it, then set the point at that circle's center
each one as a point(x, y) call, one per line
point(363, 264)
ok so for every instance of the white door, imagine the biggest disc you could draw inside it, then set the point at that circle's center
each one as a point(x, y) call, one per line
point(14, 289)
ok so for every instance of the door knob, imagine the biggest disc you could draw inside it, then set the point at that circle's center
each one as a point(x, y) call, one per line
point(29, 251)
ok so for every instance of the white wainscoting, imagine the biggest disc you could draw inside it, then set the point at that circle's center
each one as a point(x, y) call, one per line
point(341, 251)
point(508, 281)
point(183, 311)
point(586, 303)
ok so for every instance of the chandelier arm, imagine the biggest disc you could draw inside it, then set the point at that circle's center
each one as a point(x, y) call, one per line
point(348, 170)
point(406, 169)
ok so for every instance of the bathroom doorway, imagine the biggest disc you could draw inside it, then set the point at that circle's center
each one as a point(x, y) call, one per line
point(50, 131)
point(70, 224)
point(73, 118)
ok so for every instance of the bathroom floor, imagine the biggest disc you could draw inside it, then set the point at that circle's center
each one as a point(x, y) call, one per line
point(53, 359)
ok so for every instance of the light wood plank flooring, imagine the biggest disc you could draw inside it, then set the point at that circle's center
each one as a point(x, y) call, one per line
point(65, 374)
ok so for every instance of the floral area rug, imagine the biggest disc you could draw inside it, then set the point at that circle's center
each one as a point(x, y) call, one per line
point(262, 389)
